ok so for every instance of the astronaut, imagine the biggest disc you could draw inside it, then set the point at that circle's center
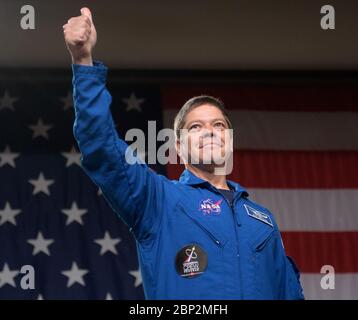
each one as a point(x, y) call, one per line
point(200, 237)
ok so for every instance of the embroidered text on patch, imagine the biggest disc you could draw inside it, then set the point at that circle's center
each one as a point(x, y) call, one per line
point(208, 206)
point(258, 215)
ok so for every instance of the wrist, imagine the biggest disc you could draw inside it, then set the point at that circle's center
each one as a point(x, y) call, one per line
point(85, 61)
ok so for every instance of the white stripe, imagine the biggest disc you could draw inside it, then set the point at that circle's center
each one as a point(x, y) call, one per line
point(272, 130)
point(345, 287)
point(311, 209)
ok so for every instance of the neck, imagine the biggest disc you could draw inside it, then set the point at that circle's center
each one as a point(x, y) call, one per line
point(207, 174)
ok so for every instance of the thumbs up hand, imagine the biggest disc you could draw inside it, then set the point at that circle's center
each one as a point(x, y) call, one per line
point(80, 37)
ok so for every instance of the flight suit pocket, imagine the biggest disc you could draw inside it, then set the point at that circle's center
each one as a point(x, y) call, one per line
point(218, 239)
point(208, 228)
point(262, 240)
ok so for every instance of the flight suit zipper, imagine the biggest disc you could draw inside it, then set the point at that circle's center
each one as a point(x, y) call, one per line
point(232, 207)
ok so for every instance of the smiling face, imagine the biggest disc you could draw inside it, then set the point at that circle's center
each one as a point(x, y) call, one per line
point(205, 138)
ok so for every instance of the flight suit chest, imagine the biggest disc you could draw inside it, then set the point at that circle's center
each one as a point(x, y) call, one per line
point(210, 246)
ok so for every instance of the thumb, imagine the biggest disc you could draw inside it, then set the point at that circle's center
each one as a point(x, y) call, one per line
point(86, 12)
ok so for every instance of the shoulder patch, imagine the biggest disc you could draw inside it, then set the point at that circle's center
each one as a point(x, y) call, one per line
point(258, 215)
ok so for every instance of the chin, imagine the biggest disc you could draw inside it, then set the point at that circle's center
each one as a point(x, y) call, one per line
point(211, 160)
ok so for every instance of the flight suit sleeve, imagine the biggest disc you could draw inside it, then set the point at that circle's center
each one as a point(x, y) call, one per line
point(289, 275)
point(132, 190)
point(294, 289)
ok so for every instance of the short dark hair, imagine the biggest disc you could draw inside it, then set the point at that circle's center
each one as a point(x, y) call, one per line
point(193, 103)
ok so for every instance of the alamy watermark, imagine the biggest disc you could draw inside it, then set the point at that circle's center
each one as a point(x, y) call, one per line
point(328, 21)
point(27, 20)
point(328, 280)
point(207, 147)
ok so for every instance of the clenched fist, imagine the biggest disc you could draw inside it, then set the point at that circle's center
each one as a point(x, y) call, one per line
point(80, 37)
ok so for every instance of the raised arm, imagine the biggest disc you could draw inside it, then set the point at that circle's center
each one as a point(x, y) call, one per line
point(134, 191)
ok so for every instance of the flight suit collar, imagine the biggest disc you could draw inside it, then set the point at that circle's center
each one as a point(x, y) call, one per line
point(219, 236)
point(188, 178)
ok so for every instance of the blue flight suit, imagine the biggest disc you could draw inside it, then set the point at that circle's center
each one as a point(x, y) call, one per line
point(191, 243)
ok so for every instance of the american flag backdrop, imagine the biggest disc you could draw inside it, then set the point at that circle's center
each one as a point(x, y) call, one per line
point(296, 151)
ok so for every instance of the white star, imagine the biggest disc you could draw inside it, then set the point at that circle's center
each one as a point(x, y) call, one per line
point(8, 214)
point(138, 277)
point(74, 214)
point(133, 103)
point(40, 129)
point(41, 184)
point(8, 157)
point(73, 157)
point(67, 101)
point(6, 102)
point(75, 275)
point(7, 276)
point(108, 243)
point(99, 192)
point(40, 244)
point(109, 296)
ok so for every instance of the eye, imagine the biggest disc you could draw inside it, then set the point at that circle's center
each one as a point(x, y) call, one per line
point(195, 126)
point(219, 125)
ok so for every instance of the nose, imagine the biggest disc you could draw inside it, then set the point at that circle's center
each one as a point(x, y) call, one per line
point(208, 130)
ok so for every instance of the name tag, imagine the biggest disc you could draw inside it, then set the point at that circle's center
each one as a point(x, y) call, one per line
point(258, 215)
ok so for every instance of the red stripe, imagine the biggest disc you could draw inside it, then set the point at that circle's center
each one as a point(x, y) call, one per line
point(264, 97)
point(312, 250)
point(291, 169)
